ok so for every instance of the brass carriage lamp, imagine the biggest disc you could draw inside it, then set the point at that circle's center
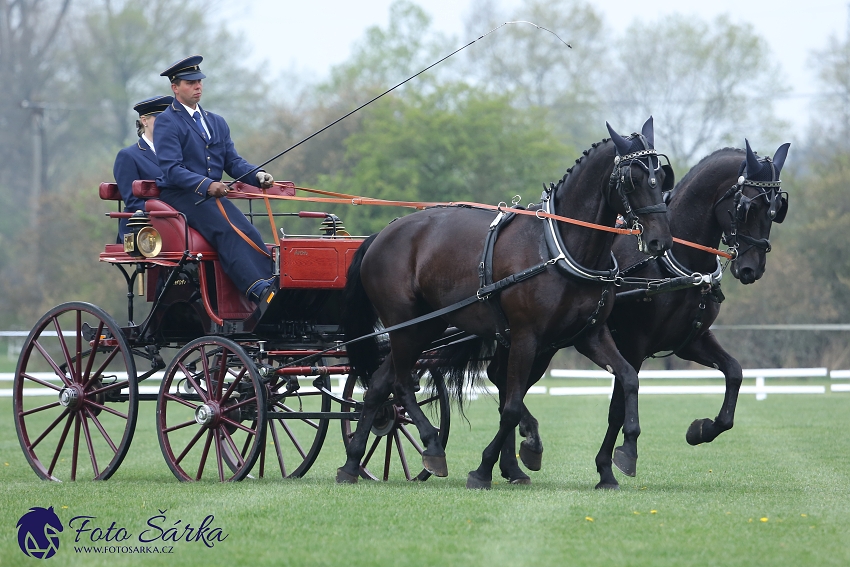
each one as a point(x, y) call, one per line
point(141, 239)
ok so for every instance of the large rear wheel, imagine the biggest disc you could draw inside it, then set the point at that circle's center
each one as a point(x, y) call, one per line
point(211, 415)
point(75, 396)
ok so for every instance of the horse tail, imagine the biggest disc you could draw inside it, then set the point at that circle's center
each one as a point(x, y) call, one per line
point(359, 318)
point(461, 364)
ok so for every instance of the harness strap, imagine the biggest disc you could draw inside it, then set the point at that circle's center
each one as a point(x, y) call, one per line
point(485, 276)
point(239, 232)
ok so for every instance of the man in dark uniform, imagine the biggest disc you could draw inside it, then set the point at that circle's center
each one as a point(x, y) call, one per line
point(194, 149)
point(139, 160)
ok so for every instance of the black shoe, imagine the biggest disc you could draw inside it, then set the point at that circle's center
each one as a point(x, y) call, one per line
point(266, 298)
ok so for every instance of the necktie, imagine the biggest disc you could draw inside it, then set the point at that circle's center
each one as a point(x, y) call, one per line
point(197, 116)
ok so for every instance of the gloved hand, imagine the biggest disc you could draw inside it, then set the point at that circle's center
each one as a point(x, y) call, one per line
point(264, 179)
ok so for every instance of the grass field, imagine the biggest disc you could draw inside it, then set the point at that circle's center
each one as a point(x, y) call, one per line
point(773, 491)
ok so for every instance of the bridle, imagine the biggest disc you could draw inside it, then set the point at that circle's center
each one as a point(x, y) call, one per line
point(617, 181)
point(776, 199)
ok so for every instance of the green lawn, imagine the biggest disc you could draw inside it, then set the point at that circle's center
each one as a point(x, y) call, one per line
point(773, 491)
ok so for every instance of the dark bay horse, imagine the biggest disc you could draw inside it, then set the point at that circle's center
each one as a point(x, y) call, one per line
point(732, 195)
point(430, 259)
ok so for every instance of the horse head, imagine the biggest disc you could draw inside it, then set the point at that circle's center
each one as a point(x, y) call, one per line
point(635, 188)
point(748, 210)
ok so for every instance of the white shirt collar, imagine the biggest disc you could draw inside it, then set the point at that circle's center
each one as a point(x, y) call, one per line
point(149, 143)
point(192, 112)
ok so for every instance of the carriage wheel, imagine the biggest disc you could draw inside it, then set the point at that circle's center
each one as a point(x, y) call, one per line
point(210, 414)
point(75, 395)
point(394, 429)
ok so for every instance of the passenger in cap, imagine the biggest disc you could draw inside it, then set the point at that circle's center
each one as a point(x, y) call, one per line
point(194, 150)
point(138, 161)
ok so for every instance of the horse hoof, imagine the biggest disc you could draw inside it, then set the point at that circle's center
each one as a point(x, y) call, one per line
point(626, 464)
point(523, 480)
point(475, 483)
point(607, 486)
point(343, 477)
point(516, 476)
point(695, 436)
point(435, 465)
point(532, 459)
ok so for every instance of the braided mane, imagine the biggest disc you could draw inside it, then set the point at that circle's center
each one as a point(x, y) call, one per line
point(584, 154)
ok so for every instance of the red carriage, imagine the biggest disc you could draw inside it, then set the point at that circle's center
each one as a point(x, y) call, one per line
point(236, 394)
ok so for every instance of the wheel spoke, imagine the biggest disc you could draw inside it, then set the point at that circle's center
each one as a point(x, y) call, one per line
point(240, 404)
point(387, 458)
point(107, 409)
point(222, 371)
point(50, 427)
point(410, 438)
point(248, 440)
point(233, 384)
point(76, 451)
point(426, 401)
point(61, 442)
point(190, 445)
point(204, 454)
point(218, 455)
point(89, 445)
point(277, 448)
point(41, 382)
point(401, 454)
point(371, 451)
point(233, 447)
point(179, 400)
point(180, 426)
point(93, 351)
point(195, 385)
point(102, 367)
point(293, 439)
point(100, 428)
point(49, 359)
point(38, 409)
point(239, 425)
point(64, 346)
point(78, 355)
point(120, 385)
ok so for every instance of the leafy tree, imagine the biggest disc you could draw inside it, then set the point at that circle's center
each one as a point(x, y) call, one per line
point(457, 143)
point(707, 84)
point(537, 69)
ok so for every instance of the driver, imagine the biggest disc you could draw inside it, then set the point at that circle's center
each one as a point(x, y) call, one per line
point(194, 150)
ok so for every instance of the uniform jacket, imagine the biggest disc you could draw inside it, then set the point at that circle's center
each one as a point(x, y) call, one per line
point(189, 162)
point(134, 162)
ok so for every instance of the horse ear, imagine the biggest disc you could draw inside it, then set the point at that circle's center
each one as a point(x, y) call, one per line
point(621, 144)
point(753, 165)
point(780, 155)
point(648, 132)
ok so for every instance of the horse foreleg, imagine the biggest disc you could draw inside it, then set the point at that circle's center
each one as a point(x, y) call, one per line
point(708, 352)
point(600, 348)
point(616, 415)
point(379, 390)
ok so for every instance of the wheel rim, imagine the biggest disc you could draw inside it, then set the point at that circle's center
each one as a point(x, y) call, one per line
point(292, 445)
point(75, 395)
point(393, 448)
point(211, 416)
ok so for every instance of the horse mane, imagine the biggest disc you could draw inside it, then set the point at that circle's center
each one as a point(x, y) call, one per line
point(702, 163)
point(584, 154)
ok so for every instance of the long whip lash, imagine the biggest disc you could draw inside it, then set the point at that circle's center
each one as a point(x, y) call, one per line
point(338, 120)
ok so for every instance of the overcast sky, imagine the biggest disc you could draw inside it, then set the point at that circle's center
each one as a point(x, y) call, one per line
point(311, 36)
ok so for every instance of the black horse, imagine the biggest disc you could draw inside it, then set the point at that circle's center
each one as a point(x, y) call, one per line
point(432, 259)
point(731, 194)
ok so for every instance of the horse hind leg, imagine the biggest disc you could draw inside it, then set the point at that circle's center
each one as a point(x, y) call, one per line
point(379, 390)
point(707, 351)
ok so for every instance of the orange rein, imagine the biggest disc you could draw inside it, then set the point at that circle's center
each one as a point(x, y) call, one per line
point(346, 199)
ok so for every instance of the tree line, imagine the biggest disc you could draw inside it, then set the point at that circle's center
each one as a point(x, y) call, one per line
point(500, 119)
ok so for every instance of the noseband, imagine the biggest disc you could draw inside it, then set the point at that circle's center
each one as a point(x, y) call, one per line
point(773, 195)
point(617, 181)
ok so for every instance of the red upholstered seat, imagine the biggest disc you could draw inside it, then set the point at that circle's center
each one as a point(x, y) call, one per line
point(173, 232)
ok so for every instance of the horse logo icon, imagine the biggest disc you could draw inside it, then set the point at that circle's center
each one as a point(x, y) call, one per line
point(38, 533)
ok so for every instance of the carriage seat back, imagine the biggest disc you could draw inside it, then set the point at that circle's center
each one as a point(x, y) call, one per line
point(109, 192)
